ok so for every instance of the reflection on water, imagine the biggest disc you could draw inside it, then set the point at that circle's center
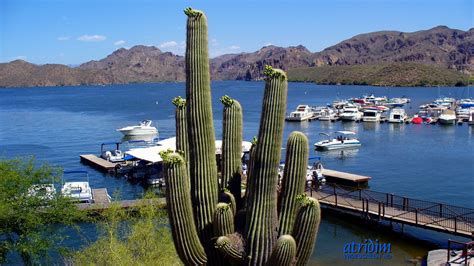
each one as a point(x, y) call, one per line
point(396, 127)
point(339, 154)
point(147, 138)
point(371, 126)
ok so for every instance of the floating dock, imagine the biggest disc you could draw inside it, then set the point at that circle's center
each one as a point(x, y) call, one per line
point(344, 178)
point(100, 196)
point(98, 163)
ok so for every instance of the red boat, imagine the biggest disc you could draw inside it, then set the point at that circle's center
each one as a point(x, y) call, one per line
point(417, 120)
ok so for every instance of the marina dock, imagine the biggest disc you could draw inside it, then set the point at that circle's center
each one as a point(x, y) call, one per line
point(344, 178)
point(98, 163)
point(381, 206)
point(100, 196)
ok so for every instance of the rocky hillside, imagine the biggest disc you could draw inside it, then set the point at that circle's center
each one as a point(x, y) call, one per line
point(140, 64)
point(440, 47)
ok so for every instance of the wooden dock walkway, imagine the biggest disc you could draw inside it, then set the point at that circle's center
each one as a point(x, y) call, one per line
point(100, 195)
point(384, 206)
point(98, 163)
point(343, 177)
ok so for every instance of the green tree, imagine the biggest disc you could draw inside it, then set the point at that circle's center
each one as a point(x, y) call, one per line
point(29, 213)
point(138, 237)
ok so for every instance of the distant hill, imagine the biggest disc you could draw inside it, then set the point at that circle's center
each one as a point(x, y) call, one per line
point(405, 74)
point(441, 54)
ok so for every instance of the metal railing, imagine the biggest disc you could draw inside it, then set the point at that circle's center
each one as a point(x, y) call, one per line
point(387, 205)
point(466, 250)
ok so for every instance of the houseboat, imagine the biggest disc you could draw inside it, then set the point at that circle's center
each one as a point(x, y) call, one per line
point(397, 115)
point(302, 113)
point(371, 115)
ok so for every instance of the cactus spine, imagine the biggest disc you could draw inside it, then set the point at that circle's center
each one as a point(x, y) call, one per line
point(202, 148)
point(261, 226)
point(294, 178)
point(180, 211)
point(306, 228)
point(200, 224)
point(232, 148)
point(284, 252)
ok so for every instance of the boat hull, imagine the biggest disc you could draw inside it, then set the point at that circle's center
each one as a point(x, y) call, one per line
point(337, 146)
point(138, 132)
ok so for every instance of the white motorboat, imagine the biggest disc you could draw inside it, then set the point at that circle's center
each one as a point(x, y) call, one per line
point(79, 191)
point(344, 140)
point(371, 115)
point(471, 116)
point(144, 128)
point(302, 113)
point(448, 117)
point(445, 101)
point(351, 113)
point(397, 115)
point(327, 114)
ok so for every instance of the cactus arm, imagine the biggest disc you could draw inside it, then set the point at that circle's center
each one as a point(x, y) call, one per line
point(203, 168)
point(232, 148)
point(179, 205)
point(225, 245)
point(262, 220)
point(228, 198)
point(294, 178)
point(306, 228)
point(223, 222)
point(181, 128)
point(284, 252)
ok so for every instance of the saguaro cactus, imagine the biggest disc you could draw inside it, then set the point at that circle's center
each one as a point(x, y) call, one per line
point(231, 177)
point(272, 234)
point(202, 147)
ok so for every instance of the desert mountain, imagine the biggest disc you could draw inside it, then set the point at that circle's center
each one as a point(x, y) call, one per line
point(439, 47)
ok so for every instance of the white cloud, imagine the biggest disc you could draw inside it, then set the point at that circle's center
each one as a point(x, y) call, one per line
point(217, 51)
point(173, 47)
point(63, 38)
point(169, 44)
point(119, 42)
point(20, 57)
point(214, 42)
point(92, 38)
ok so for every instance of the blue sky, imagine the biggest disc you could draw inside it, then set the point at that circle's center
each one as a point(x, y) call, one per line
point(72, 31)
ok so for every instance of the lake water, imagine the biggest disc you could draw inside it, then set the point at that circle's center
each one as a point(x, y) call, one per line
point(430, 162)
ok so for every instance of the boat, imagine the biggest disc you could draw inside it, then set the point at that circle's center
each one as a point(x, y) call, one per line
point(343, 140)
point(397, 115)
point(317, 111)
point(327, 114)
point(448, 117)
point(115, 155)
point(445, 101)
point(78, 191)
point(371, 115)
point(396, 102)
point(144, 128)
point(351, 114)
point(302, 113)
point(417, 120)
point(466, 103)
point(471, 116)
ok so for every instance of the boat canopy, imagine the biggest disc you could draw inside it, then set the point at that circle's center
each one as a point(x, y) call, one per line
point(346, 132)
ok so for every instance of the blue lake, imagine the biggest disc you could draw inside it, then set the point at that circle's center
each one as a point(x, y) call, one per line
point(429, 162)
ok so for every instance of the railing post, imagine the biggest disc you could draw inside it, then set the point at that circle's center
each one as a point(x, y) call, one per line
point(380, 210)
point(367, 205)
point(449, 249)
point(404, 203)
point(335, 197)
point(441, 210)
point(391, 200)
point(363, 206)
point(416, 216)
point(386, 196)
point(455, 224)
point(383, 208)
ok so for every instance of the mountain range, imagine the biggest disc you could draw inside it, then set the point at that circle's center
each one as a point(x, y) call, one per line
point(437, 50)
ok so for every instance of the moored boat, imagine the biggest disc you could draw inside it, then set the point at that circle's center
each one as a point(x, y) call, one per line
point(302, 113)
point(144, 128)
point(343, 140)
point(351, 114)
point(371, 115)
point(397, 115)
point(448, 117)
